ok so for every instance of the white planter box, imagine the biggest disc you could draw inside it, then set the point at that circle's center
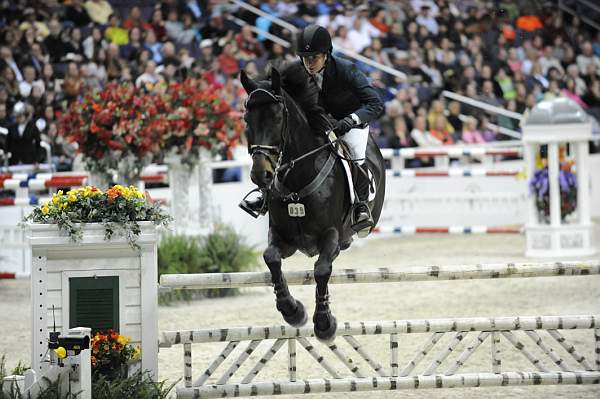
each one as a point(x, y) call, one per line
point(56, 259)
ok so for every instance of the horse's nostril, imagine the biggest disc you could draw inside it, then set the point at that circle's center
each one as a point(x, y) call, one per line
point(268, 175)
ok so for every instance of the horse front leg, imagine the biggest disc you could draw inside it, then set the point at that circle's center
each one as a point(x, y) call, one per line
point(291, 309)
point(325, 324)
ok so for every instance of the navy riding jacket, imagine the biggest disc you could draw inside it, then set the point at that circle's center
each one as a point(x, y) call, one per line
point(345, 90)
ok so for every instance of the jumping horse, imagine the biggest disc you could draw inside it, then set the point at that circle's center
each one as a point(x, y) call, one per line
point(308, 195)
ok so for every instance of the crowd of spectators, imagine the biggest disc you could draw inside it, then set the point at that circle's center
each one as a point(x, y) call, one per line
point(500, 52)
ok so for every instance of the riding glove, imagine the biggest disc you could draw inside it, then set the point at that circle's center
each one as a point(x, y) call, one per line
point(344, 125)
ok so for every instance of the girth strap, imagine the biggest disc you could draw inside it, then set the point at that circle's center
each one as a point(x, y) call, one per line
point(311, 187)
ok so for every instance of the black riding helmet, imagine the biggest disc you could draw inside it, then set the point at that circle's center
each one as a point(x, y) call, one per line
point(313, 39)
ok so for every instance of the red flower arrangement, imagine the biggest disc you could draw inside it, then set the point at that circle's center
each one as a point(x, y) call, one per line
point(200, 118)
point(111, 125)
point(122, 127)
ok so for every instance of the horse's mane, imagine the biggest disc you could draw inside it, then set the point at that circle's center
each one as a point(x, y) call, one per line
point(294, 109)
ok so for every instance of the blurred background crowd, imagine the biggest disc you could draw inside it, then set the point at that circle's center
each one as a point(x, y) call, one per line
point(506, 53)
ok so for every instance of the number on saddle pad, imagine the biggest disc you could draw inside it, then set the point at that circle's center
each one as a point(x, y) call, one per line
point(296, 210)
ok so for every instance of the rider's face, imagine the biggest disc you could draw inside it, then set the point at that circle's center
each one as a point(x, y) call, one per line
point(314, 63)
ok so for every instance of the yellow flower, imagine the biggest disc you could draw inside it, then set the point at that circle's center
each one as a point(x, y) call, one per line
point(63, 205)
point(123, 340)
point(136, 352)
point(45, 209)
point(72, 198)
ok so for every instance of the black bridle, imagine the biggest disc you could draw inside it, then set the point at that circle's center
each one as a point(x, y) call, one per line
point(274, 154)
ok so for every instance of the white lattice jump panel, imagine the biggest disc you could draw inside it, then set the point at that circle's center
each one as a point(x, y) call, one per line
point(433, 353)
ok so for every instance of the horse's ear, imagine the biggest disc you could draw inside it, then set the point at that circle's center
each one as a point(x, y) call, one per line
point(248, 84)
point(276, 81)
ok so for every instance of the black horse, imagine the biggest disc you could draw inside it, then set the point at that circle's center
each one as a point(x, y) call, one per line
point(308, 198)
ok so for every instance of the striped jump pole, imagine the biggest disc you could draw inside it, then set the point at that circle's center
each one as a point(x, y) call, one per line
point(12, 201)
point(454, 152)
point(44, 181)
point(385, 275)
point(410, 230)
point(452, 172)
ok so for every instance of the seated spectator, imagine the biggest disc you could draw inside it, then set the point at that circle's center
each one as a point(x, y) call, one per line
point(149, 78)
point(421, 135)
point(249, 48)
point(54, 42)
point(573, 73)
point(77, 14)
point(29, 80)
point(427, 20)
point(592, 99)
point(454, 119)
point(135, 20)
point(587, 57)
point(131, 50)
point(115, 34)
point(157, 25)
point(440, 130)
point(437, 111)
point(74, 46)
point(153, 46)
point(93, 43)
point(10, 84)
point(5, 123)
point(506, 85)
point(487, 133)
point(23, 139)
point(470, 134)
point(98, 10)
point(73, 84)
point(228, 63)
point(379, 21)
point(400, 137)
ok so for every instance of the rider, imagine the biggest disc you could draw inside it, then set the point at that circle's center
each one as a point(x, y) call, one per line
point(345, 93)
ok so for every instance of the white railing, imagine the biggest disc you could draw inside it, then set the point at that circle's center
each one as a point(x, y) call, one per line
point(583, 17)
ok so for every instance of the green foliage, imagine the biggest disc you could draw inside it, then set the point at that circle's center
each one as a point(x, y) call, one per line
point(52, 390)
point(138, 386)
point(222, 251)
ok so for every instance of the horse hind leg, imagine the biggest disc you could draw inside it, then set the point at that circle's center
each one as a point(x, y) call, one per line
point(325, 324)
point(291, 309)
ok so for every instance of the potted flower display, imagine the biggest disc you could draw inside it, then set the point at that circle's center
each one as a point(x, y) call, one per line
point(103, 241)
point(539, 187)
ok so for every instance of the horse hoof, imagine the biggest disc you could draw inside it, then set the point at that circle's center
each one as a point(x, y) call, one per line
point(298, 318)
point(327, 335)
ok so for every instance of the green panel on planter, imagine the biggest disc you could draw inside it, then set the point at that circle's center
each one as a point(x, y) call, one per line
point(94, 302)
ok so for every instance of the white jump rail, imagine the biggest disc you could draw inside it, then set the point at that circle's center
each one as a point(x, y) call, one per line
point(379, 275)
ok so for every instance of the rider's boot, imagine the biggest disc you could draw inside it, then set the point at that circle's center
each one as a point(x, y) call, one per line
point(254, 207)
point(363, 221)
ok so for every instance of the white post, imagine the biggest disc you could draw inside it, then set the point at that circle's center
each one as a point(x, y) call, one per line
point(583, 183)
point(149, 301)
point(205, 181)
point(553, 170)
point(81, 379)
point(181, 184)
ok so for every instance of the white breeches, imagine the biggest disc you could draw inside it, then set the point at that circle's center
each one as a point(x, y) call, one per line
point(356, 140)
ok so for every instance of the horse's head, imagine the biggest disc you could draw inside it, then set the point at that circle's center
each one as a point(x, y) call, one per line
point(265, 118)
